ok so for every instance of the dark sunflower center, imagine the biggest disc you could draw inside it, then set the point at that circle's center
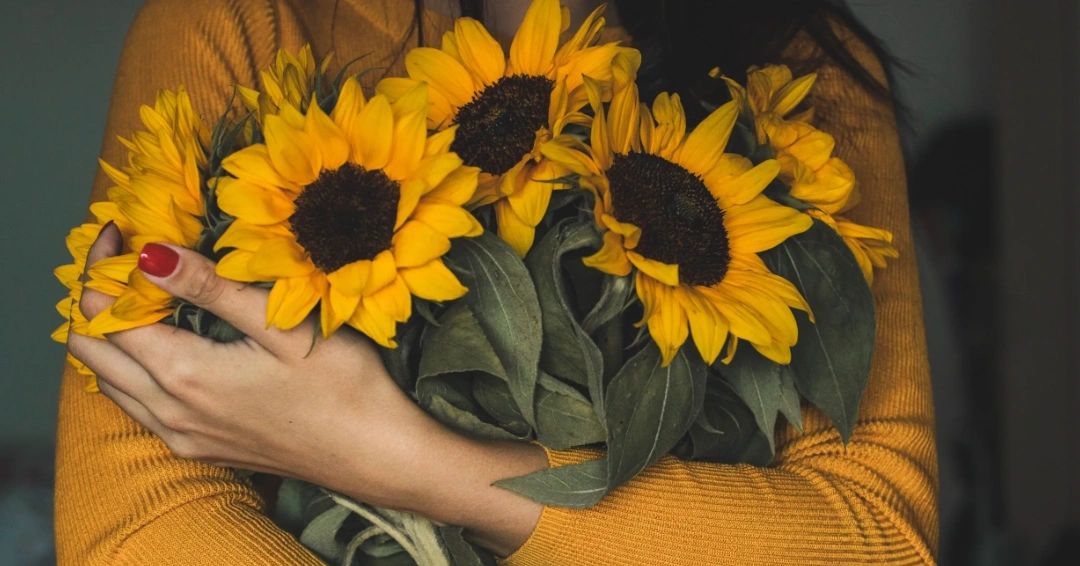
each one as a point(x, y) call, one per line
point(346, 215)
point(498, 127)
point(679, 219)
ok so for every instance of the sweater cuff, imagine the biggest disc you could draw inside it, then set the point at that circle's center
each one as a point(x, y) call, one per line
point(546, 538)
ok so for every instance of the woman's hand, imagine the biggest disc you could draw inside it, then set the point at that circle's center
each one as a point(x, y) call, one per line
point(294, 404)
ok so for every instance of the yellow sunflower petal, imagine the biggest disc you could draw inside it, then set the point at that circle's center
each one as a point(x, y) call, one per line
point(383, 271)
point(741, 189)
point(417, 243)
point(351, 278)
point(793, 94)
point(667, 322)
point(249, 237)
point(458, 187)
point(373, 134)
point(433, 282)
point(410, 137)
point(280, 258)
point(761, 224)
point(775, 351)
point(479, 51)
point(349, 103)
point(611, 257)
point(440, 142)
point(373, 322)
point(532, 51)
point(530, 203)
point(291, 301)
point(708, 329)
point(442, 72)
point(327, 136)
point(450, 220)
point(253, 164)
point(253, 203)
point(513, 230)
point(394, 299)
point(340, 309)
point(706, 143)
point(665, 273)
point(292, 151)
point(235, 266)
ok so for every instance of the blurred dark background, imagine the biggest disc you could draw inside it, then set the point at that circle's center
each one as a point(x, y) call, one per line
point(993, 153)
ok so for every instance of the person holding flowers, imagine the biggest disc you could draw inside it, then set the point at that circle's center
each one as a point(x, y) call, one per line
point(334, 218)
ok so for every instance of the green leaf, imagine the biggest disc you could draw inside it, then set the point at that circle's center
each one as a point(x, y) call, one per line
point(614, 296)
point(650, 407)
point(725, 430)
point(564, 417)
point(790, 403)
point(568, 353)
point(577, 486)
point(502, 297)
point(494, 397)
point(756, 380)
point(321, 534)
point(459, 550)
point(453, 416)
point(832, 358)
point(459, 345)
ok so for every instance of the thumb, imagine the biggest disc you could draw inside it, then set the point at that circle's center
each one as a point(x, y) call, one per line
point(191, 276)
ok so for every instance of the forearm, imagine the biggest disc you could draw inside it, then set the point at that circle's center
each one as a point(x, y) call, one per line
point(433, 471)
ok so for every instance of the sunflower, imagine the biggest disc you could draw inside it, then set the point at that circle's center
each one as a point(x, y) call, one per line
point(688, 220)
point(70, 276)
point(808, 166)
point(352, 211)
point(157, 197)
point(504, 109)
point(288, 82)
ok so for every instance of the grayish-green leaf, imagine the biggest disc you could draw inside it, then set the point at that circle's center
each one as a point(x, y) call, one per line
point(577, 486)
point(458, 345)
point(459, 550)
point(756, 380)
point(790, 403)
point(614, 296)
point(832, 358)
point(564, 417)
point(320, 534)
point(568, 352)
point(502, 297)
point(650, 407)
point(461, 419)
point(493, 395)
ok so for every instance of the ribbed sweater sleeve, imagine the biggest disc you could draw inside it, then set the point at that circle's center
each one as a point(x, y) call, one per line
point(872, 501)
point(121, 497)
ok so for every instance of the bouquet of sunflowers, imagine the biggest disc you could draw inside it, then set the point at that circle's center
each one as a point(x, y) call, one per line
point(539, 254)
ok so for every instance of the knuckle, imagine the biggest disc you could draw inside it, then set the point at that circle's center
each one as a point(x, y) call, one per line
point(176, 420)
point(183, 447)
point(91, 303)
point(204, 287)
point(180, 378)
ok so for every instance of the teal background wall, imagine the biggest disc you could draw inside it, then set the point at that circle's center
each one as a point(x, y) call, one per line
point(56, 69)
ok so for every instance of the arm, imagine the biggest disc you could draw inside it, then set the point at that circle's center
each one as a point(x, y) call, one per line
point(121, 497)
point(873, 500)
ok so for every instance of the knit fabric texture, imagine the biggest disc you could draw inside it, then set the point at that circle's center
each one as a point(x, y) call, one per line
point(122, 498)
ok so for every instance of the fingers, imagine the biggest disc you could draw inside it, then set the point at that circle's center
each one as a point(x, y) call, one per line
point(116, 369)
point(107, 244)
point(133, 408)
point(191, 276)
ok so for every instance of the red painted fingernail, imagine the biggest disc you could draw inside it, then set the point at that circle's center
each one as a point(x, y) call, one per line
point(158, 260)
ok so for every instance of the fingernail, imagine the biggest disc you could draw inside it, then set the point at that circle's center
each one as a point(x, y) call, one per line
point(158, 260)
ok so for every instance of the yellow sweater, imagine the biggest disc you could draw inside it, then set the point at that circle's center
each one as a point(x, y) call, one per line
point(121, 498)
